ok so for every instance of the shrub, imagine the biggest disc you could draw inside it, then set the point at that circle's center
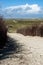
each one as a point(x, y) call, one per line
point(3, 33)
point(33, 30)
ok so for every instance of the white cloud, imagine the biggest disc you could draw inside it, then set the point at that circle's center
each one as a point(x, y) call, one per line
point(23, 9)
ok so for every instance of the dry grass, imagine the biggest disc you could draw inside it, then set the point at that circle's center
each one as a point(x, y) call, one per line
point(33, 30)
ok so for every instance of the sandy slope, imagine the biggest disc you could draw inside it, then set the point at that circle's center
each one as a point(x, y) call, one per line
point(31, 52)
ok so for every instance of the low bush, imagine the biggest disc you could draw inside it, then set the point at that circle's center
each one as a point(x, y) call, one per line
point(33, 30)
point(3, 33)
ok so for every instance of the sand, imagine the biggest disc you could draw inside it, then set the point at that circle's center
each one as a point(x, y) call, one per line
point(27, 50)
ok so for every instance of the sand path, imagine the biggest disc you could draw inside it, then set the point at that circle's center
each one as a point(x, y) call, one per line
point(29, 53)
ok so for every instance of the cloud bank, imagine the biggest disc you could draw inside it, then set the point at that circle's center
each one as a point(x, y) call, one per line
point(22, 10)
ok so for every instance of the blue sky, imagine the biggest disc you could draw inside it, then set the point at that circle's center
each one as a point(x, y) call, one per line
point(21, 8)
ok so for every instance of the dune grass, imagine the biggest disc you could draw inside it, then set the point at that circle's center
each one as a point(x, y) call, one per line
point(14, 24)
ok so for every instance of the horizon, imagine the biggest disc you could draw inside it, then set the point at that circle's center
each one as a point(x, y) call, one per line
point(21, 9)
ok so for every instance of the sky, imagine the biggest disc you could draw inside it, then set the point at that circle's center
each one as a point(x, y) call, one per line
point(21, 8)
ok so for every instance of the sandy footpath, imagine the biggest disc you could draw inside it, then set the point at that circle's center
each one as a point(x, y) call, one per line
point(29, 52)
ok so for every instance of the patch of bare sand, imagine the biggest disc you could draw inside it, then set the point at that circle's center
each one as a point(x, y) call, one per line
point(31, 52)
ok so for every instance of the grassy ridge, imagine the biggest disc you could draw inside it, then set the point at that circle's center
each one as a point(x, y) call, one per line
point(14, 24)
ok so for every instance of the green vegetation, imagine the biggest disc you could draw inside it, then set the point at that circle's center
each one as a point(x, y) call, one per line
point(14, 24)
